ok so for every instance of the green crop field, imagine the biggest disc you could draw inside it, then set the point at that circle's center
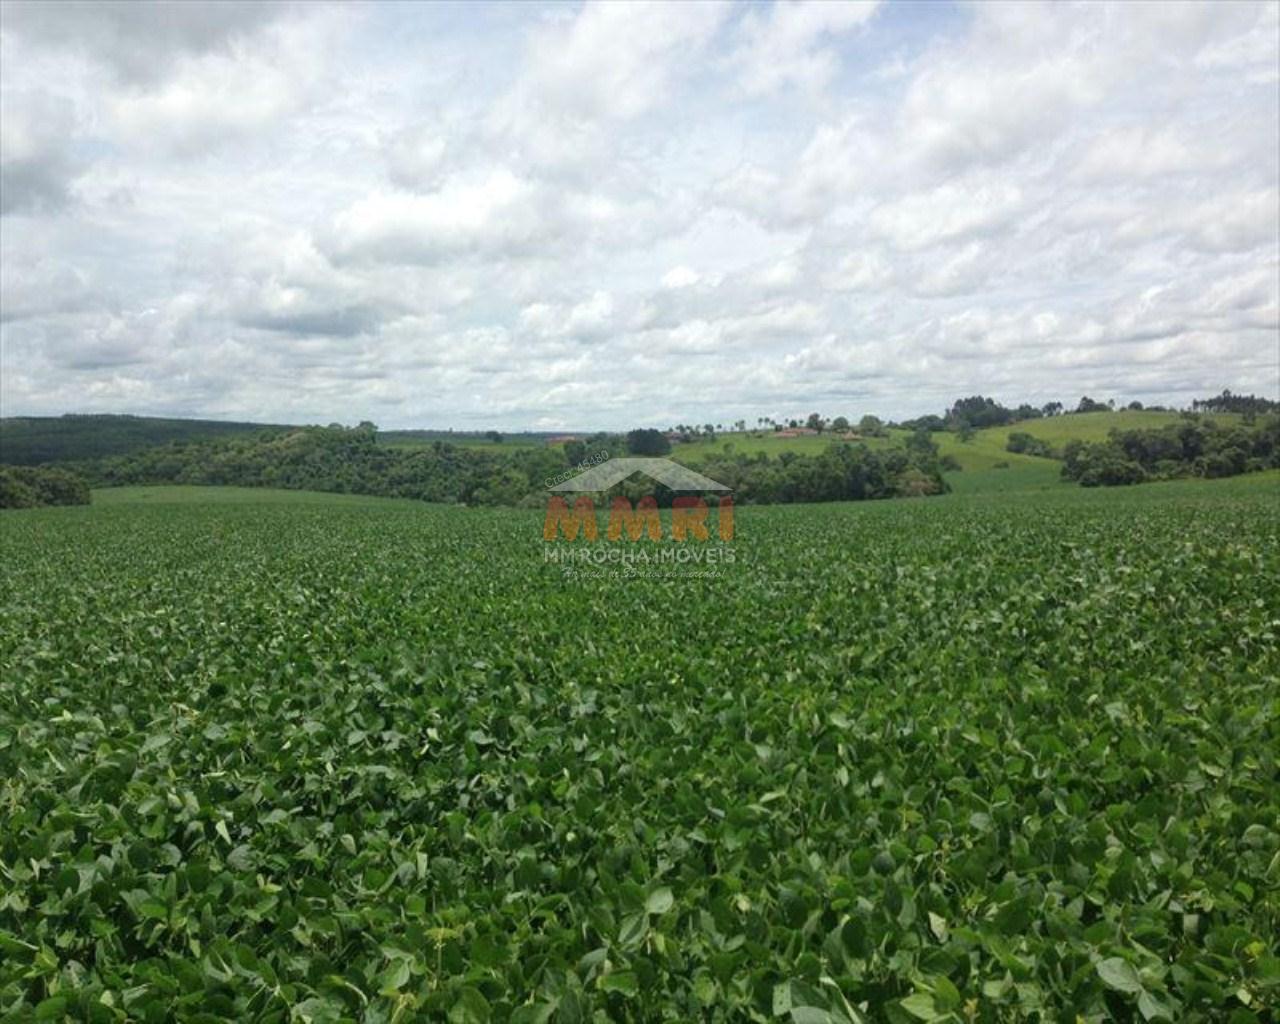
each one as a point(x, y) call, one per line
point(993, 756)
point(754, 442)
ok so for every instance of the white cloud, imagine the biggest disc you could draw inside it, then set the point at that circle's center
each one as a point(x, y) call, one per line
point(680, 277)
point(397, 213)
point(858, 271)
point(952, 212)
point(231, 92)
point(784, 44)
point(618, 60)
point(492, 213)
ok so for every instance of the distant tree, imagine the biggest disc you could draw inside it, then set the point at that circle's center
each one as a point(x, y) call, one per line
point(647, 441)
point(1052, 409)
point(1087, 404)
point(1134, 406)
point(1227, 402)
point(15, 493)
point(840, 423)
point(921, 443)
point(574, 452)
point(979, 412)
point(871, 426)
point(815, 422)
point(1027, 411)
point(912, 483)
point(32, 486)
point(966, 431)
point(1026, 444)
point(493, 436)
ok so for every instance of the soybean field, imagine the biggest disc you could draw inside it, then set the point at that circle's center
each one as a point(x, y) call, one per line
point(288, 757)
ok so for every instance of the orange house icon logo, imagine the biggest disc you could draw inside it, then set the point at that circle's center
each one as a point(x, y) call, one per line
point(689, 511)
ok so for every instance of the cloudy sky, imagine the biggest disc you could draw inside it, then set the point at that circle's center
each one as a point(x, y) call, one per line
point(552, 215)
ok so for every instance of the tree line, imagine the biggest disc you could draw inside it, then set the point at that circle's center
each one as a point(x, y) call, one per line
point(1246, 405)
point(1192, 447)
point(350, 460)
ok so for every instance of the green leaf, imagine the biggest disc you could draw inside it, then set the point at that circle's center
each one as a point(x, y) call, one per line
point(620, 981)
point(633, 931)
point(52, 1008)
point(811, 1015)
point(156, 741)
point(1117, 973)
point(395, 977)
point(533, 1013)
point(318, 1010)
point(1152, 1008)
point(945, 994)
point(922, 1006)
point(471, 1008)
point(659, 901)
point(782, 999)
point(241, 858)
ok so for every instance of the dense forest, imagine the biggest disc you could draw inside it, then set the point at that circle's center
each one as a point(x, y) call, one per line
point(32, 440)
point(32, 487)
point(1193, 447)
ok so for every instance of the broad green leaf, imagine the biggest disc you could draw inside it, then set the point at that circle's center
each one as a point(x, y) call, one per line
point(1118, 973)
point(782, 998)
point(533, 1013)
point(395, 977)
point(922, 1006)
point(471, 1007)
point(620, 981)
point(659, 901)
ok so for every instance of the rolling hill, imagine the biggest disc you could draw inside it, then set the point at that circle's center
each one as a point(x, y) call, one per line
point(33, 440)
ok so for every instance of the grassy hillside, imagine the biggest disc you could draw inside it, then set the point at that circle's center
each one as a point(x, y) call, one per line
point(985, 463)
point(1095, 426)
point(754, 442)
